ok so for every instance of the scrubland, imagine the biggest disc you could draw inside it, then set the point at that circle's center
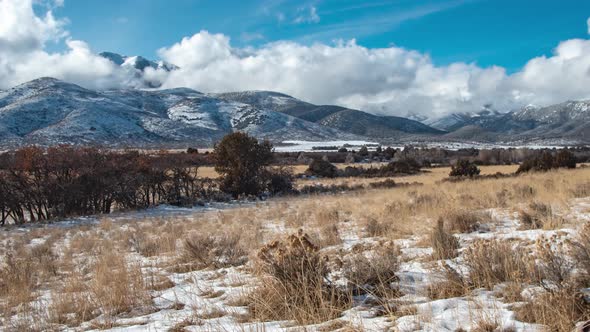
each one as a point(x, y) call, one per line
point(492, 254)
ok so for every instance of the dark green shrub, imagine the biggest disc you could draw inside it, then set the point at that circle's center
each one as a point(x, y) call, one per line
point(240, 160)
point(464, 168)
point(280, 181)
point(322, 168)
point(363, 151)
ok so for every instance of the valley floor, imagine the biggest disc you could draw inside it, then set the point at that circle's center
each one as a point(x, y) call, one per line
point(509, 247)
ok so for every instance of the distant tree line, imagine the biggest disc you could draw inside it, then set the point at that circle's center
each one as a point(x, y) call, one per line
point(41, 184)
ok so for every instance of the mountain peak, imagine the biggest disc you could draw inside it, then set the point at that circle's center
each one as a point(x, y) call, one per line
point(137, 61)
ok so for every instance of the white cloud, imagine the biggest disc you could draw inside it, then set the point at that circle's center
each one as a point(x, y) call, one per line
point(307, 15)
point(588, 24)
point(23, 36)
point(390, 80)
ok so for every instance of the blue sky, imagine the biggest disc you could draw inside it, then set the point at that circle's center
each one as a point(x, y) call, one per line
point(487, 32)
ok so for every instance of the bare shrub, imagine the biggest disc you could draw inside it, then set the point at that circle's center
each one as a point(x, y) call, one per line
point(554, 266)
point(490, 262)
point(295, 284)
point(204, 251)
point(444, 244)
point(374, 273)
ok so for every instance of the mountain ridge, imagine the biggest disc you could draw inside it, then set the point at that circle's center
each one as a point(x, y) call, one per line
point(48, 111)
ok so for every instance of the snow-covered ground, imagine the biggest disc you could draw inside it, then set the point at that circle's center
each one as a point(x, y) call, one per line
point(210, 299)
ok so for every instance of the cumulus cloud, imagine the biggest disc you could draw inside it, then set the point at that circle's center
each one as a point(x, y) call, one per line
point(23, 37)
point(390, 80)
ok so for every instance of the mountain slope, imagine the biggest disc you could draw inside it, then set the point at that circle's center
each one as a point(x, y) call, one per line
point(341, 118)
point(47, 111)
point(565, 121)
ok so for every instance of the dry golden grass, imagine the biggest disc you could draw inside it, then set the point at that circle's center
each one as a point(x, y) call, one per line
point(492, 262)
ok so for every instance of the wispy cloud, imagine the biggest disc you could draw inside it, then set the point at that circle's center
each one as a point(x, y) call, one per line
point(364, 26)
point(251, 36)
point(307, 15)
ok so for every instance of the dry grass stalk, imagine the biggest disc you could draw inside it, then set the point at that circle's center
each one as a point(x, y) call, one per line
point(559, 310)
point(374, 272)
point(444, 244)
point(210, 251)
point(491, 262)
point(117, 286)
point(452, 285)
point(539, 215)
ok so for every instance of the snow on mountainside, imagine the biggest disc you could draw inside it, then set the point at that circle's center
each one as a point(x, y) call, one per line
point(569, 120)
point(337, 117)
point(47, 111)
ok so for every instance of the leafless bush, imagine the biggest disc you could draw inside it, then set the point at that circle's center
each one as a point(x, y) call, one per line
point(553, 264)
point(295, 285)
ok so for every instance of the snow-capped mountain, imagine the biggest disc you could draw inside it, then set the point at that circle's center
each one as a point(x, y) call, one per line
point(138, 66)
point(137, 62)
point(569, 120)
point(47, 111)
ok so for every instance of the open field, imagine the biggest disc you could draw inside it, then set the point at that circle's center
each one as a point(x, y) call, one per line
point(508, 254)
